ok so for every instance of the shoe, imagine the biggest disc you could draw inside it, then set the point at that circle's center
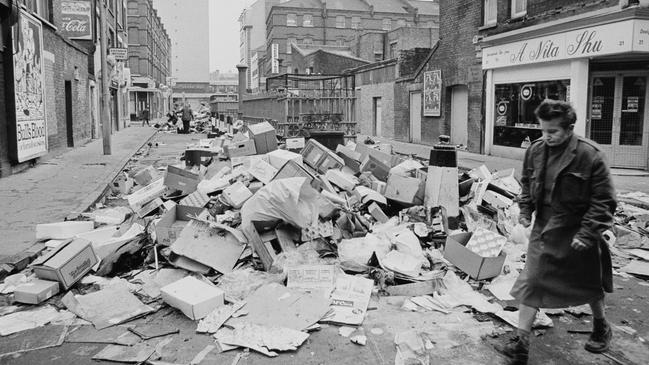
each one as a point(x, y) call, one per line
point(516, 350)
point(600, 339)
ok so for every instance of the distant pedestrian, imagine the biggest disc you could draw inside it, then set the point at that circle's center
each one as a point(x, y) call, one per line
point(567, 183)
point(145, 116)
point(187, 116)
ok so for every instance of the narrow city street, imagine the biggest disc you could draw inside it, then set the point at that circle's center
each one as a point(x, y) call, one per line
point(357, 182)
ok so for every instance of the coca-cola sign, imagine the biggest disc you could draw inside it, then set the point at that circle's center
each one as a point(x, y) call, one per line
point(75, 19)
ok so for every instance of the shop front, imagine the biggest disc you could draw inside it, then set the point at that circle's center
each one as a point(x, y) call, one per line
point(601, 68)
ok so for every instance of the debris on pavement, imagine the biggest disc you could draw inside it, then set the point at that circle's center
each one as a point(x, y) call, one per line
point(256, 245)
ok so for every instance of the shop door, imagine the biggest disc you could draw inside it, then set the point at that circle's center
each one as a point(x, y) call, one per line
point(459, 115)
point(617, 116)
point(415, 117)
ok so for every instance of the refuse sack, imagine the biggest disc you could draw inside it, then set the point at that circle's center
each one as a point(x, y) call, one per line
point(292, 200)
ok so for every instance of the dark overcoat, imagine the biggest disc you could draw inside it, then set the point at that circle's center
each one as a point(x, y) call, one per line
point(582, 206)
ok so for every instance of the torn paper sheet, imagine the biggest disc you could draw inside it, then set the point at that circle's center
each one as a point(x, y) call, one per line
point(264, 339)
point(349, 299)
point(213, 321)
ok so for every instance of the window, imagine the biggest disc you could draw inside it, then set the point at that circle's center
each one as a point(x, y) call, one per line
point(291, 20)
point(401, 23)
point(308, 41)
point(356, 22)
point(340, 42)
point(514, 122)
point(307, 20)
point(489, 12)
point(519, 8)
point(340, 21)
point(288, 45)
point(39, 7)
point(387, 24)
point(393, 49)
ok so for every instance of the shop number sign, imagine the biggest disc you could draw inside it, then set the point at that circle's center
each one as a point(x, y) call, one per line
point(625, 36)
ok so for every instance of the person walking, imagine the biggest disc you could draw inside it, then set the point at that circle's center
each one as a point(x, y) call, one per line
point(567, 183)
point(145, 116)
point(186, 116)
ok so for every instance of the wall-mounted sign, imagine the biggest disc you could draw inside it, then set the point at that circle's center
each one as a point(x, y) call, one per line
point(274, 58)
point(620, 37)
point(433, 93)
point(120, 54)
point(31, 129)
point(75, 19)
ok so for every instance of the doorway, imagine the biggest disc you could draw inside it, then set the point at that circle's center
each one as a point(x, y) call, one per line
point(459, 114)
point(69, 125)
point(617, 113)
point(415, 117)
point(376, 128)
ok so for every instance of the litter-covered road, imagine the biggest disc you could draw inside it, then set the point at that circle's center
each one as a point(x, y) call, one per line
point(243, 253)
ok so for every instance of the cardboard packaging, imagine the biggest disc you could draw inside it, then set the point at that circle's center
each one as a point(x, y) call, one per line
point(263, 171)
point(146, 176)
point(476, 266)
point(123, 183)
point(279, 158)
point(320, 158)
point(181, 179)
point(62, 230)
point(377, 213)
point(404, 189)
point(264, 137)
point(199, 156)
point(342, 180)
point(67, 263)
point(379, 169)
point(36, 292)
point(149, 207)
point(385, 158)
point(351, 158)
point(138, 199)
point(237, 194)
point(295, 144)
point(496, 200)
point(195, 298)
point(293, 169)
point(240, 149)
point(173, 221)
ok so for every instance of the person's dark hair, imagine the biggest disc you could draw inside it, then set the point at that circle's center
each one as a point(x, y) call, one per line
point(552, 109)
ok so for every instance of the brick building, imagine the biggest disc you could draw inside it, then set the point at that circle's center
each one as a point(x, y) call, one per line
point(336, 23)
point(149, 60)
point(592, 53)
point(252, 28)
point(325, 60)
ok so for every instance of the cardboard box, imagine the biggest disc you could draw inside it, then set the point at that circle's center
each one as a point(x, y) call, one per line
point(149, 207)
point(320, 158)
point(263, 171)
point(379, 169)
point(385, 158)
point(173, 221)
point(264, 136)
point(237, 194)
point(123, 183)
point(67, 263)
point(138, 199)
point(279, 158)
point(180, 179)
point(195, 298)
point(405, 189)
point(477, 267)
point(146, 176)
point(293, 169)
point(62, 230)
point(377, 213)
point(342, 180)
point(199, 156)
point(36, 291)
point(351, 158)
point(295, 144)
point(239, 149)
point(496, 200)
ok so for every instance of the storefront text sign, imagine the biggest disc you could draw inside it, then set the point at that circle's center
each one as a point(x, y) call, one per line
point(621, 37)
point(75, 19)
point(31, 130)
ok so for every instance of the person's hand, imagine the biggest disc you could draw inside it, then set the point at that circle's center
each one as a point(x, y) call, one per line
point(524, 221)
point(578, 245)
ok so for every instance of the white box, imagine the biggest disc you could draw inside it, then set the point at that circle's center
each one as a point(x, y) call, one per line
point(496, 200)
point(237, 194)
point(195, 298)
point(279, 158)
point(295, 143)
point(341, 179)
point(62, 230)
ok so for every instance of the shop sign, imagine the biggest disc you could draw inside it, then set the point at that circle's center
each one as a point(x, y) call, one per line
point(432, 93)
point(625, 36)
point(31, 129)
point(120, 54)
point(275, 58)
point(75, 19)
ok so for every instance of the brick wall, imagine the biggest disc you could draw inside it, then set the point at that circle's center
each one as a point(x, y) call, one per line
point(5, 166)
point(365, 108)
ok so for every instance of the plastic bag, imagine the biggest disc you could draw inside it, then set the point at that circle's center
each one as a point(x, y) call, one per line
point(292, 200)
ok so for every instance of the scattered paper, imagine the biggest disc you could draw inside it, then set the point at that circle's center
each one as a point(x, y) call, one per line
point(21, 321)
point(349, 299)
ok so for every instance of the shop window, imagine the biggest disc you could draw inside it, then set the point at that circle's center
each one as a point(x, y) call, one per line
point(307, 20)
point(514, 122)
point(519, 8)
point(489, 11)
point(291, 20)
point(356, 22)
point(340, 21)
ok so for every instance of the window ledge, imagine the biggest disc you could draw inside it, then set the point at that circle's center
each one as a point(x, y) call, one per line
point(488, 26)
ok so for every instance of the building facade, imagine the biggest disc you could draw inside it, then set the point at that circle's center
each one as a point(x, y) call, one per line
point(337, 23)
point(149, 59)
point(48, 76)
point(593, 54)
point(252, 29)
point(187, 25)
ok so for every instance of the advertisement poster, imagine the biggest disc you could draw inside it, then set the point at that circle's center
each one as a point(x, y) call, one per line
point(75, 18)
point(433, 93)
point(31, 130)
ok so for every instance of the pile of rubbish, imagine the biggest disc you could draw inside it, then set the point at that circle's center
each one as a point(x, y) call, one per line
point(263, 243)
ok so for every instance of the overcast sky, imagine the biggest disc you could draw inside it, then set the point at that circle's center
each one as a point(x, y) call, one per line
point(224, 33)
